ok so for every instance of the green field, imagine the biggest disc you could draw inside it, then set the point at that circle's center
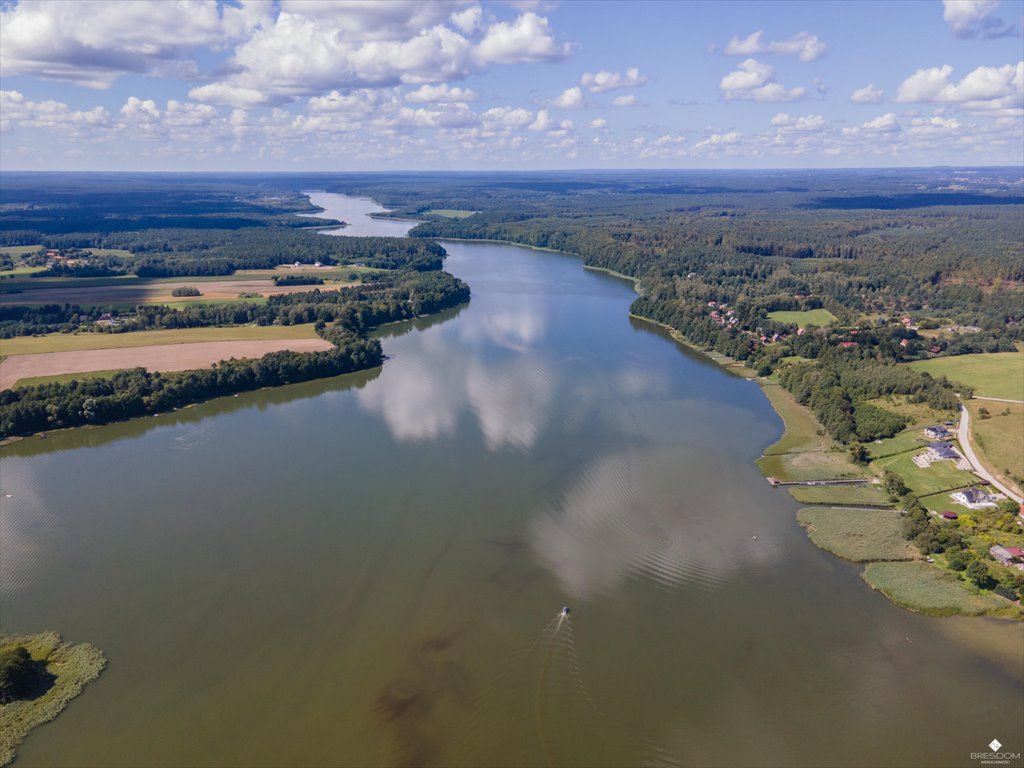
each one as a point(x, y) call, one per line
point(927, 589)
point(450, 213)
point(64, 378)
point(908, 440)
point(19, 250)
point(72, 667)
point(999, 374)
point(857, 535)
point(999, 439)
point(76, 342)
point(803, 319)
point(940, 476)
point(872, 495)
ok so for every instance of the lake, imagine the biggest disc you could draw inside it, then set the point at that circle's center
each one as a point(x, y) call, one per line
point(370, 570)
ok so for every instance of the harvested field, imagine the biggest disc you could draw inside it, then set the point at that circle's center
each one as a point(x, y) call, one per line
point(137, 292)
point(169, 357)
point(77, 342)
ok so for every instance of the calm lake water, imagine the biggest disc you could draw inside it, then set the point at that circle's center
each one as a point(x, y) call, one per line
point(369, 570)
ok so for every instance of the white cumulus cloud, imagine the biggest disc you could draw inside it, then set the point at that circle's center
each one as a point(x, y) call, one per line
point(754, 81)
point(999, 89)
point(626, 100)
point(442, 93)
point(570, 98)
point(867, 95)
point(806, 46)
point(971, 18)
point(94, 43)
point(599, 82)
point(527, 39)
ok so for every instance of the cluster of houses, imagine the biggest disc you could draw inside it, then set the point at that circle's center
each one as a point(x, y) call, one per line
point(938, 450)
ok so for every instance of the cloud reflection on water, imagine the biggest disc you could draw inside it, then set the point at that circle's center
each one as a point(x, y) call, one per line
point(649, 512)
point(489, 367)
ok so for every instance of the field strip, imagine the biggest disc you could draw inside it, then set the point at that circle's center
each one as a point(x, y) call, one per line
point(79, 342)
point(169, 357)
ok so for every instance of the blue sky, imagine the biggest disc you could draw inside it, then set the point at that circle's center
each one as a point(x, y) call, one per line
point(405, 84)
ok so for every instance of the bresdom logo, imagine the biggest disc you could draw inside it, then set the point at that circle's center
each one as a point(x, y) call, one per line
point(995, 745)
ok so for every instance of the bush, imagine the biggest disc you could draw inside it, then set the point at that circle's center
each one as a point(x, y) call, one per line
point(185, 290)
point(17, 673)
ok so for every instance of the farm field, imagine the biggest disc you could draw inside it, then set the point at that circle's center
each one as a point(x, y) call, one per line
point(77, 342)
point(166, 357)
point(999, 374)
point(450, 213)
point(132, 292)
point(999, 439)
point(818, 317)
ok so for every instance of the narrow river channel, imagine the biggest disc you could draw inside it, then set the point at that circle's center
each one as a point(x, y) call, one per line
point(370, 570)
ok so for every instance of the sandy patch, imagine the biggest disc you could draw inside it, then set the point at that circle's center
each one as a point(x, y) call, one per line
point(170, 357)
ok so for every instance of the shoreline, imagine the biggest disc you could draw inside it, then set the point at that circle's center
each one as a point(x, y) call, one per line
point(789, 434)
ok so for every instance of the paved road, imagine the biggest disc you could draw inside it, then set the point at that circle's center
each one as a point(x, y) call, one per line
point(964, 435)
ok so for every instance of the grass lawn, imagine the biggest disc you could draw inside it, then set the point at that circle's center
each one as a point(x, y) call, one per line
point(64, 378)
point(75, 342)
point(999, 440)
point(450, 213)
point(801, 427)
point(807, 465)
point(927, 589)
point(818, 317)
point(907, 440)
point(940, 476)
point(872, 495)
point(857, 535)
point(70, 668)
point(916, 413)
point(991, 375)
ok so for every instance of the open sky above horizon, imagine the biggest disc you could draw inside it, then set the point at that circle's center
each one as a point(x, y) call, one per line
point(306, 85)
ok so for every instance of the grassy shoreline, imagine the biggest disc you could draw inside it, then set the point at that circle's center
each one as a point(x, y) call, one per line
point(71, 667)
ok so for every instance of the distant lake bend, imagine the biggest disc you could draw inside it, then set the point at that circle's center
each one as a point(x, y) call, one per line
point(369, 570)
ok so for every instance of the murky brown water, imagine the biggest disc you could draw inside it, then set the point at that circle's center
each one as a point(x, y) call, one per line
point(369, 570)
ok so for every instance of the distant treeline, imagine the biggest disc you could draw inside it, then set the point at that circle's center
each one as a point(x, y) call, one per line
point(192, 252)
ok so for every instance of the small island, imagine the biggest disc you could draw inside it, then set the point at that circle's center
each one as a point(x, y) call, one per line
point(39, 675)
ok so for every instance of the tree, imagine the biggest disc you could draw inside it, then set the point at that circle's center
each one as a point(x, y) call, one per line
point(977, 572)
point(894, 484)
point(17, 671)
point(959, 561)
point(859, 454)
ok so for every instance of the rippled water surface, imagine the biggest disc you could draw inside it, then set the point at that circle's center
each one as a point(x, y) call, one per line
point(370, 570)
